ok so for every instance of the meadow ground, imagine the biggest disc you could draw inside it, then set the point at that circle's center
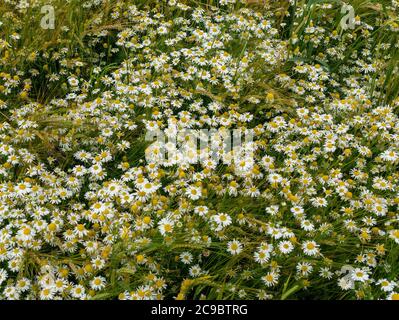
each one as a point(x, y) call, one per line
point(91, 209)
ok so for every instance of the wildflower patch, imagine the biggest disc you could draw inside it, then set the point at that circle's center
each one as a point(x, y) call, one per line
point(190, 150)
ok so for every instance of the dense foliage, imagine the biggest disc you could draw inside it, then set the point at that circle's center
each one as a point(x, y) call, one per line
point(312, 214)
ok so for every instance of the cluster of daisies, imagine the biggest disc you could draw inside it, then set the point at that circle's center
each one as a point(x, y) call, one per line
point(89, 211)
